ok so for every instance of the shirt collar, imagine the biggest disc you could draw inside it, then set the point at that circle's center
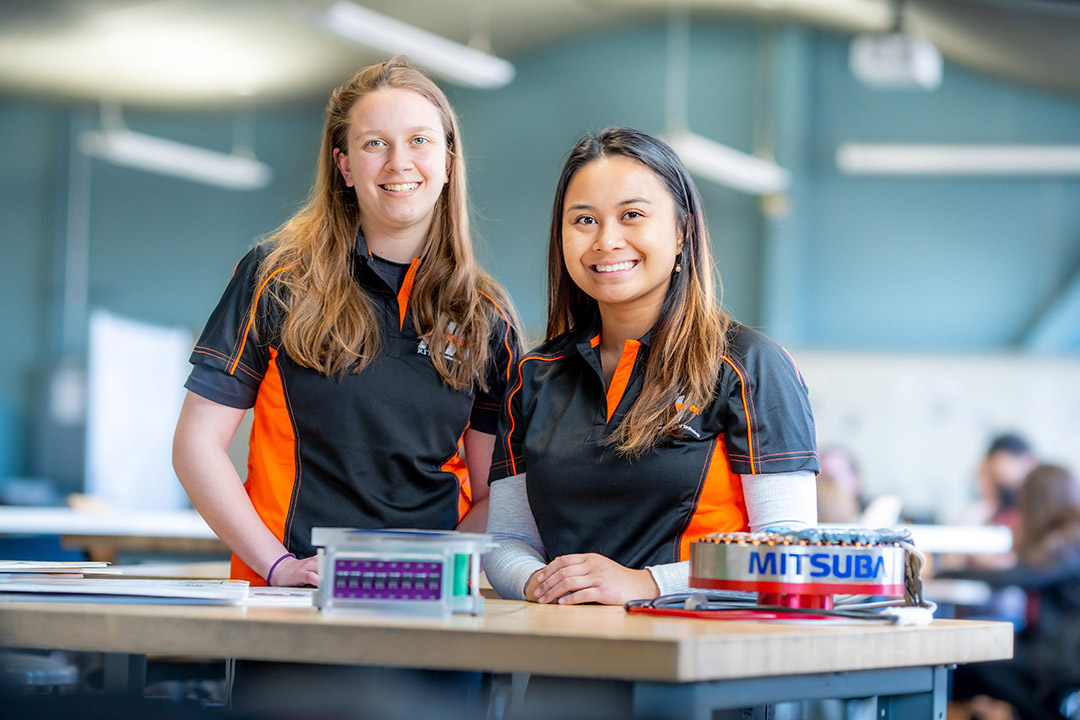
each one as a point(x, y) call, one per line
point(589, 337)
point(362, 250)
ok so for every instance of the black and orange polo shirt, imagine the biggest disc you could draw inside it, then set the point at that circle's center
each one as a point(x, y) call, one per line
point(587, 498)
point(377, 449)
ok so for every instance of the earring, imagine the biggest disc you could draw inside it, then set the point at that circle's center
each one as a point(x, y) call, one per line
point(678, 263)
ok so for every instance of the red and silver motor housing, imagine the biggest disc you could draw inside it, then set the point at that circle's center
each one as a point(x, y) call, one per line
point(801, 569)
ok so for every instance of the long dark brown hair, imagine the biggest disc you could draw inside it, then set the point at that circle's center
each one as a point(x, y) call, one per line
point(1049, 515)
point(689, 340)
point(329, 321)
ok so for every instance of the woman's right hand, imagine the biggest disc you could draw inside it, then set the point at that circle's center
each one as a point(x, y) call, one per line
point(201, 460)
point(589, 578)
point(292, 572)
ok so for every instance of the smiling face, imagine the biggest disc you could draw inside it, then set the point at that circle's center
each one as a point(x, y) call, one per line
point(397, 161)
point(620, 236)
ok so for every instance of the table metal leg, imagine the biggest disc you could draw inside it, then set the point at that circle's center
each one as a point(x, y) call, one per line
point(673, 700)
point(125, 674)
point(930, 704)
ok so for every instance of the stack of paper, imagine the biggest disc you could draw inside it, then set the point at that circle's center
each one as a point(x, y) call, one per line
point(25, 568)
point(18, 587)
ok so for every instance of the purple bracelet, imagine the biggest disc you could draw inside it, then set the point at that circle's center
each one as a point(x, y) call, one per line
point(274, 566)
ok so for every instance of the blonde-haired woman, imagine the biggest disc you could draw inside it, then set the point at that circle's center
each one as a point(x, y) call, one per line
point(648, 418)
point(366, 338)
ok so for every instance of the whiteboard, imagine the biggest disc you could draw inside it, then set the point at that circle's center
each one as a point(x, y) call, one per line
point(135, 388)
point(918, 425)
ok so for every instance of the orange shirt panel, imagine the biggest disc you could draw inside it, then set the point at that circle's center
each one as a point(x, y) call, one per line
point(720, 506)
point(272, 471)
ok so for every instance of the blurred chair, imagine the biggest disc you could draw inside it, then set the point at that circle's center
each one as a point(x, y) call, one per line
point(30, 671)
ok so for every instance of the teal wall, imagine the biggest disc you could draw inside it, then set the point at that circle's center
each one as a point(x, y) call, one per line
point(28, 205)
point(163, 248)
point(877, 264)
point(945, 264)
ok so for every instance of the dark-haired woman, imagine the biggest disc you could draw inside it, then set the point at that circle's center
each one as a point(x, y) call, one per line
point(370, 344)
point(648, 418)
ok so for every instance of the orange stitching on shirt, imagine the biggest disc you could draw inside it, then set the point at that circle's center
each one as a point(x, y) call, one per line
point(212, 352)
point(510, 413)
point(299, 464)
point(251, 318)
point(746, 409)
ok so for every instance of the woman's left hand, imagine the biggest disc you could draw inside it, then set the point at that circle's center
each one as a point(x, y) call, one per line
point(588, 577)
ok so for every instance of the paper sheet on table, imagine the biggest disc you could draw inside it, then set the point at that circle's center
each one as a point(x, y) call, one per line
point(224, 592)
point(57, 568)
point(304, 597)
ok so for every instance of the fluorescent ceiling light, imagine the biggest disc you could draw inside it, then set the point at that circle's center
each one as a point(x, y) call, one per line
point(145, 152)
point(459, 63)
point(895, 61)
point(958, 160)
point(727, 166)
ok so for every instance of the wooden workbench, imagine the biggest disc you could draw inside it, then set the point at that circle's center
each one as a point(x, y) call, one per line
point(681, 667)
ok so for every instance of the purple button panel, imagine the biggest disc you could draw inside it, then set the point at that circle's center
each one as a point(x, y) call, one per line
point(387, 580)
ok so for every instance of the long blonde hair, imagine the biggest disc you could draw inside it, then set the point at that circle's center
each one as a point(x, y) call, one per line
point(329, 321)
point(689, 340)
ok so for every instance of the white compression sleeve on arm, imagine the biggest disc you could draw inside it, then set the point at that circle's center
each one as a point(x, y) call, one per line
point(671, 577)
point(520, 551)
point(773, 500)
point(781, 500)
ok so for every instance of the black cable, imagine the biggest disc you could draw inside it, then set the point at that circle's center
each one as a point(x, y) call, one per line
point(719, 603)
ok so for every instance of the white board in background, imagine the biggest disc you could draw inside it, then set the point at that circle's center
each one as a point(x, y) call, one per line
point(135, 387)
point(919, 424)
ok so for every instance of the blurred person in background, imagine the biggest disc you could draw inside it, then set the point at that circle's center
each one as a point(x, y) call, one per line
point(835, 501)
point(1046, 657)
point(839, 464)
point(842, 497)
point(1008, 460)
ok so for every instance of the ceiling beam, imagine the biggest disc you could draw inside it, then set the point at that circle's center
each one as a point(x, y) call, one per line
point(1053, 326)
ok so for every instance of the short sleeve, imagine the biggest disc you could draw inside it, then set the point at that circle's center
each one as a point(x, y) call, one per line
point(505, 349)
point(764, 408)
point(232, 344)
point(508, 458)
point(219, 386)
